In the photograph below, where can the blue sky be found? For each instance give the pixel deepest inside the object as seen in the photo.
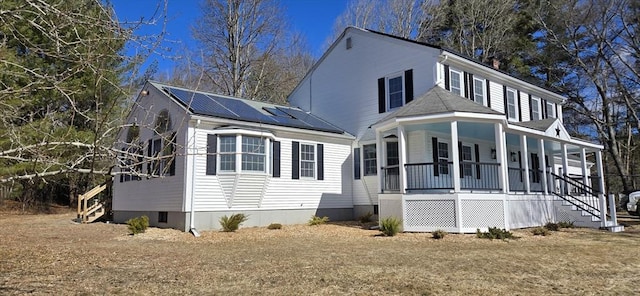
(313, 18)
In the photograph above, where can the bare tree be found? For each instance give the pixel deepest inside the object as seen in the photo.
(240, 41)
(602, 76)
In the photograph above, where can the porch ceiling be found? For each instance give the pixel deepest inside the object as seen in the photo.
(472, 130)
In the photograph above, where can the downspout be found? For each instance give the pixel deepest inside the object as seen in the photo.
(194, 149)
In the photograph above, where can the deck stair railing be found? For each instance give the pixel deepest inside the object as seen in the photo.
(90, 206)
(576, 193)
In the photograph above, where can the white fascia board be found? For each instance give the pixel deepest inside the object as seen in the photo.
(271, 127)
(543, 135)
(463, 116)
(490, 72)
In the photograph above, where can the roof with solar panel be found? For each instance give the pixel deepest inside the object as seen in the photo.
(214, 105)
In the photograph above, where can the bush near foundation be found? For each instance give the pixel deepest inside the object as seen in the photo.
(138, 224)
(231, 224)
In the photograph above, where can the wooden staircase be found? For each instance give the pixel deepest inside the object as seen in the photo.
(90, 207)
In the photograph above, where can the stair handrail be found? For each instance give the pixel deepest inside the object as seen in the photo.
(584, 206)
(85, 210)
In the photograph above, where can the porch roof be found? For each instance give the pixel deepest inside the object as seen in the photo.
(438, 101)
(540, 125)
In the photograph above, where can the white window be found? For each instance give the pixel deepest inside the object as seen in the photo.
(479, 91)
(551, 110)
(535, 108)
(512, 104)
(228, 153)
(307, 161)
(466, 157)
(443, 158)
(455, 81)
(253, 154)
(369, 160)
(396, 92)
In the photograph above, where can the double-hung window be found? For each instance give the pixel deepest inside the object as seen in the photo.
(535, 108)
(551, 110)
(253, 154)
(307, 160)
(479, 91)
(228, 153)
(396, 93)
(466, 157)
(443, 158)
(369, 160)
(512, 104)
(455, 82)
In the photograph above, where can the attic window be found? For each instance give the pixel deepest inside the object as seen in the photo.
(349, 43)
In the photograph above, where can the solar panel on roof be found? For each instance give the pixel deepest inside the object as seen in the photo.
(243, 110)
(201, 103)
(309, 119)
(276, 112)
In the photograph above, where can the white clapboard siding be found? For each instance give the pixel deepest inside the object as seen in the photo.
(259, 191)
(348, 78)
(497, 96)
(154, 194)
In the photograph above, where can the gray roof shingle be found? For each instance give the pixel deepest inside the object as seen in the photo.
(540, 125)
(438, 101)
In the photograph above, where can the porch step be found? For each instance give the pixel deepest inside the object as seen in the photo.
(614, 228)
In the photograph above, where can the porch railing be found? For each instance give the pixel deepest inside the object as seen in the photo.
(391, 177)
(474, 176)
(517, 182)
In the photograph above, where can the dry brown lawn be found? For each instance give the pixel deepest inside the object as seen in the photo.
(49, 254)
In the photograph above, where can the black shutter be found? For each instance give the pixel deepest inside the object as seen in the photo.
(519, 107)
(320, 159)
(356, 163)
(476, 147)
(472, 95)
(150, 155)
(446, 77)
(488, 94)
(276, 159)
(295, 160)
(530, 108)
(460, 160)
(172, 159)
(212, 143)
(520, 164)
(544, 109)
(408, 86)
(382, 98)
(506, 102)
(434, 144)
(466, 84)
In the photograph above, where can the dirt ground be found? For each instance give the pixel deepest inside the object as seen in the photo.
(50, 254)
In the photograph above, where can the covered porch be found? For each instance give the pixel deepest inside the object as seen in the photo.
(459, 171)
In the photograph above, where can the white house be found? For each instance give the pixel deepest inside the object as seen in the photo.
(379, 124)
(192, 157)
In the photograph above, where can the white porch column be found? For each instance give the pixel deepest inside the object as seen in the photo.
(402, 153)
(565, 167)
(501, 157)
(379, 158)
(455, 156)
(525, 161)
(543, 167)
(601, 196)
(583, 161)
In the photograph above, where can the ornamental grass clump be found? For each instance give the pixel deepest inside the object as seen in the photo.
(315, 220)
(274, 226)
(138, 224)
(495, 233)
(439, 234)
(541, 231)
(366, 218)
(390, 226)
(231, 224)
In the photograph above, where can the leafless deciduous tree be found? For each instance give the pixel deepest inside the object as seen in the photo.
(603, 73)
(244, 43)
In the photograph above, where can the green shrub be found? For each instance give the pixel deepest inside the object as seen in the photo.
(273, 226)
(566, 224)
(390, 226)
(138, 224)
(552, 226)
(366, 218)
(439, 234)
(231, 224)
(315, 220)
(495, 233)
(541, 231)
